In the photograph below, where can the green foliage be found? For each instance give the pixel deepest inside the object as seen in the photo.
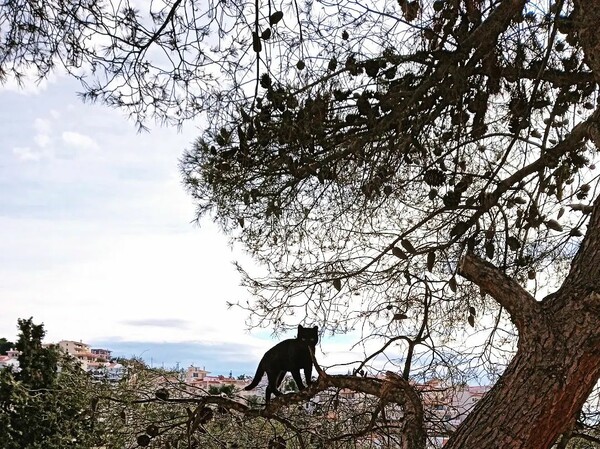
(227, 390)
(41, 406)
(289, 385)
(38, 365)
(5, 345)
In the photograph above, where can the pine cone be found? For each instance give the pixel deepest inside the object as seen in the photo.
(434, 177)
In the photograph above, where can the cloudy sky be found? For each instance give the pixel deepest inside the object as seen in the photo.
(97, 240)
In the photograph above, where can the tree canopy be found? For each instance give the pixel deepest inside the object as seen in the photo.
(5, 345)
(423, 173)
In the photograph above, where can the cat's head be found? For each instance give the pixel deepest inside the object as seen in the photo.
(308, 334)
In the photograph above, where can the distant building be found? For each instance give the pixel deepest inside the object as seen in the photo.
(199, 378)
(195, 374)
(102, 354)
(10, 360)
(74, 347)
(111, 371)
(97, 361)
(79, 351)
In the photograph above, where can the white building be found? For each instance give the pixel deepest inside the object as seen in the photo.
(199, 378)
(10, 360)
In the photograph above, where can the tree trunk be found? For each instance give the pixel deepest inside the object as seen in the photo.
(558, 357)
(539, 395)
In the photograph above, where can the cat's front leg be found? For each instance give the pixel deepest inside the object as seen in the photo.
(308, 375)
(298, 379)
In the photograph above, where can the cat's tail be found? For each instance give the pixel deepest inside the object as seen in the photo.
(257, 377)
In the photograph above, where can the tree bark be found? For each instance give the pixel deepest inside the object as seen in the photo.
(539, 395)
(558, 357)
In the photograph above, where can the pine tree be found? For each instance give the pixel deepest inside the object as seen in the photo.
(42, 407)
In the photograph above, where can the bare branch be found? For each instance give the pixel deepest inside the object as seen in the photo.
(524, 310)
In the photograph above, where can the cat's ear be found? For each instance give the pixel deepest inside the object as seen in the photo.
(300, 327)
(316, 329)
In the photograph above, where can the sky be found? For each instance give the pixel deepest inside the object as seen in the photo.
(98, 242)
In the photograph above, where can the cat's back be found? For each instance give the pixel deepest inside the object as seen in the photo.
(288, 352)
(282, 347)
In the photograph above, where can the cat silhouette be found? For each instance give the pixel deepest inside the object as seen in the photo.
(290, 355)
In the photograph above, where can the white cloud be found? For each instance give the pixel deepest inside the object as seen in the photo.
(42, 126)
(27, 154)
(79, 140)
(43, 129)
(42, 140)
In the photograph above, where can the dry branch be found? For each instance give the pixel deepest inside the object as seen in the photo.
(524, 310)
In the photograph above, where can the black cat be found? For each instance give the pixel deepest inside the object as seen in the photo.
(289, 355)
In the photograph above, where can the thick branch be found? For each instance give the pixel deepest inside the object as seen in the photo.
(413, 410)
(483, 37)
(524, 310)
(587, 17)
(391, 389)
(556, 77)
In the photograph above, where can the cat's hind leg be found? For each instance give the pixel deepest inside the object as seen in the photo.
(272, 386)
(268, 393)
(278, 381)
